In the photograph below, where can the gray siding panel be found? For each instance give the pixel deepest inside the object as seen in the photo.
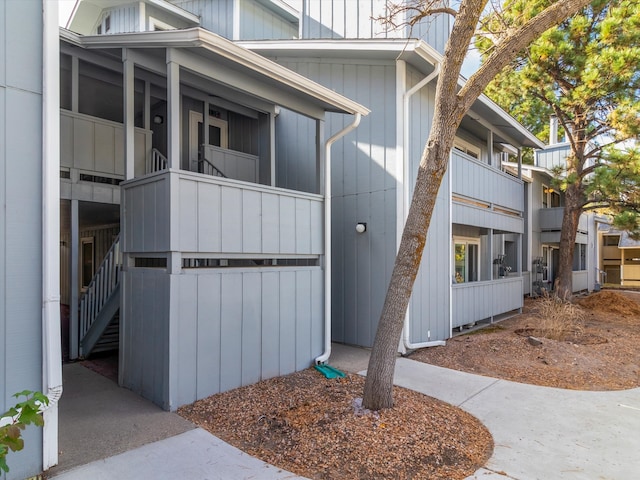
(209, 338)
(484, 183)
(479, 300)
(124, 19)
(145, 326)
(259, 23)
(147, 218)
(228, 328)
(215, 15)
(21, 217)
(351, 19)
(363, 190)
(429, 307)
(231, 331)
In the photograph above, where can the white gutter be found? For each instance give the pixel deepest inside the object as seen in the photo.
(51, 344)
(405, 160)
(327, 236)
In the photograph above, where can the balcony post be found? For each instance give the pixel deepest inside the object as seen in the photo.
(129, 115)
(75, 282)
(173, 110)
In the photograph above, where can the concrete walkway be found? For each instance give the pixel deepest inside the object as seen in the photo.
(540, 433)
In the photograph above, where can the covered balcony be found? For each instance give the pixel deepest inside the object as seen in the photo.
(224, 250)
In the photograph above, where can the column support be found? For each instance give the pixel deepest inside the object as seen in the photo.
(74, 323)
(173, 110)
(129, 116)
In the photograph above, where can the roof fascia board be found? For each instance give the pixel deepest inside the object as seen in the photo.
(406, 50)
(535, 141)
(197, 37)
(533, 168)
(74, 50)
(387, 45)
(234, 79)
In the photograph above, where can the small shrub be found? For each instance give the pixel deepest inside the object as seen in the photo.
(15, 420)
(557, 318)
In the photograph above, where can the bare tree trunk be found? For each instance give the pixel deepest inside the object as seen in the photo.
(451, 105)
(563, 287)
(385, 345)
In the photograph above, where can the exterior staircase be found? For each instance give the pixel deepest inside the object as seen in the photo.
(100, 306)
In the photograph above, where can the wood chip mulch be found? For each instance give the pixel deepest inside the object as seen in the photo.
(605, 355)
(315, 427)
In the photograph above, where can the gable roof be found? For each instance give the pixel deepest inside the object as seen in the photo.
(213, 49)
(417, 53)
(86, 13)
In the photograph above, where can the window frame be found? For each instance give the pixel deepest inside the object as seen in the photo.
(466, 241)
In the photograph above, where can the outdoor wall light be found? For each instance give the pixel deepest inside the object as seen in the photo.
(158, 119)
(361, 227)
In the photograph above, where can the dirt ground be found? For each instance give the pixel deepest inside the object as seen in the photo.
(314, 427)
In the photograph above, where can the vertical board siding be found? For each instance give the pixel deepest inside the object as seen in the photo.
(219, 216)
(21, 217)
(124, 19)
(363, 189)
(146, 205)
(336, 19)
(553, 156)
(215, 15)
(145, 330)
(429, 306)
(483, 217)
(238, 327)
(94, 145)
(480, 300)
(296, 166)
(482, 182)
(259, 23)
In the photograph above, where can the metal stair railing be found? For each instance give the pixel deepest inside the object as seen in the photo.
(105, 281)
(206, 167)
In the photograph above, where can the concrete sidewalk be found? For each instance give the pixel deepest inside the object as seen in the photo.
(540, 433)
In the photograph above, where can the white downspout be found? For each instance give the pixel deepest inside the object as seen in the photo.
(405, 148)
(51, 344)
(327, 235)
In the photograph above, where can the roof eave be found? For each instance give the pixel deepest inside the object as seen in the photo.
(198, 37)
